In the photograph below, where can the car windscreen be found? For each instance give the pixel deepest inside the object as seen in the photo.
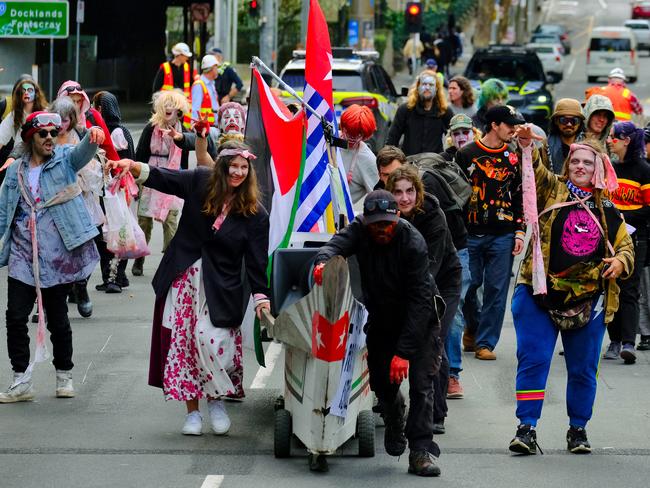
(609, 44)
(519, 69)
(638, 26)
(544, 49)
(543, 38)
(343, 80)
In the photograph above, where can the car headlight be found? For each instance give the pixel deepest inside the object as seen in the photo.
(542, 99)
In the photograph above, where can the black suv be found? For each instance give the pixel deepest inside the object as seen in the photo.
(522, 71)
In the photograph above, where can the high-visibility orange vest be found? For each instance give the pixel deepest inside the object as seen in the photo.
(620, 97)
(206, 103)
(168, 84)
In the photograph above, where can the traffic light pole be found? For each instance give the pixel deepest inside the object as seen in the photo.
(414, 60)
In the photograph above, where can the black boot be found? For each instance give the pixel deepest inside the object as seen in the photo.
(137, 268)
(84, 305)
(423, 463)
(394, 419)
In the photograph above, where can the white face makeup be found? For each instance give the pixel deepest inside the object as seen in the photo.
(427, 87)
(237, 171)
(581, 167)
(29, 92)
(231, 122)
(460, 137)
(65, 124)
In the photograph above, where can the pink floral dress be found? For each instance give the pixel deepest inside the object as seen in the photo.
(203, 360)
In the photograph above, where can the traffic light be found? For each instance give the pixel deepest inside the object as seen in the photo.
(253, 8)
(413, 16)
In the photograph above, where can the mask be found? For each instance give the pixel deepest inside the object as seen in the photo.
(427, 83)
(459, 138)
(231, 122)
(29, 92)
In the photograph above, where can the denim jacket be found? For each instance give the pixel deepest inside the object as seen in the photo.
(71, 218)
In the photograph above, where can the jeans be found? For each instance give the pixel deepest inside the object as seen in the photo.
(20, 301)
(454, 338)
(490, 264)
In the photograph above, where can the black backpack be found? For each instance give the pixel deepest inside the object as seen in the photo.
(450, 176)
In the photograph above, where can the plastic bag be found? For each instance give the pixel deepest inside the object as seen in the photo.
(122, 234)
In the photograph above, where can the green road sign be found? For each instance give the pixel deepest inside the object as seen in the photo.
(23, 19)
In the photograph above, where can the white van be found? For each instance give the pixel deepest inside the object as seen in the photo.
(609, 48)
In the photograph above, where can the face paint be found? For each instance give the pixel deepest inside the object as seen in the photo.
(231, 122)
(170, 115)
(65, 124)
(237, 171)
(427, 87)
(382, 233)
(29, 92)
(460, 137)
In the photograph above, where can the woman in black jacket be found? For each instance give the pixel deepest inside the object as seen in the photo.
(424, 212)
(196, 347)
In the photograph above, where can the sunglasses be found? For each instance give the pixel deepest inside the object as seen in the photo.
(568, 120)
(464, 132)
(72, 88)
(43, 133)
(373, 205)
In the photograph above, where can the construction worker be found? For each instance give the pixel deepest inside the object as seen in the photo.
(204, 93)
(625, 102)
(176, 74)
(227, 78)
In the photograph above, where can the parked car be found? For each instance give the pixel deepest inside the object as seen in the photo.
(551, 58)
(357, 78)
(522, 71)
(641, 29)
(609, 48)
(641, 10)
(561, 31)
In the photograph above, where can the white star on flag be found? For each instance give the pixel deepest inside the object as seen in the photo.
(328, 76)
(341, 339)
(319, 340)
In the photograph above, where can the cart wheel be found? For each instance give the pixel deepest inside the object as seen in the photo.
(282, 434)
(279, 403)
(366, 433)
(317, 462)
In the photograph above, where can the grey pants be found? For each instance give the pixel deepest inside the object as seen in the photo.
(644, 303)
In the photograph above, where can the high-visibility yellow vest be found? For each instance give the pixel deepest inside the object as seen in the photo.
(206, 103)
(168, 84)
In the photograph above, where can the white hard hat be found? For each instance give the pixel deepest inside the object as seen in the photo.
(617, 73)
(209, 61)
(181, 48)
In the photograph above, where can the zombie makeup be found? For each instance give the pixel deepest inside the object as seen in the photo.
(65, 124)
(382, 232)
(427, 84)
(460, 137)
(29, 92)
(231, 122)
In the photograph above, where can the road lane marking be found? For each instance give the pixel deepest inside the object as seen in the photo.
(212, 481)
(86, 374)
(105, 344)
(571, 67)
(270, 358)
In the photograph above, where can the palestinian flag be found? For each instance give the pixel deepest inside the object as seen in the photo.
(276, 137)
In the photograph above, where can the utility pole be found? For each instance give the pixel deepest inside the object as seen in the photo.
(268, 25)
(304, 19)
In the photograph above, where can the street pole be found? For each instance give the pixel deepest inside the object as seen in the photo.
(267, 22)
(276, 10)
(304, 19)
(80, 19)
(217, 17)
(235, 22)
(51, 80)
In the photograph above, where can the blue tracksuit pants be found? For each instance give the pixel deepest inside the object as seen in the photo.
(536, 338)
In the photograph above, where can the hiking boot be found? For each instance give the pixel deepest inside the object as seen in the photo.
(525, 440)
(439, 427)
(218, 417)
(64, 388)
(137, 269)
(454, 388)
(84, 305)
(113, 288)
(613, 351)
(193, 421)
(628, 354)
(22, 392)
(644, 344)
(469, 341)
(484, 354)
(395, 421)
(576, 440)
(423, 463)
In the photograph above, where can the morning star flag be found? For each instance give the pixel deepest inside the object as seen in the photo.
(324, 192)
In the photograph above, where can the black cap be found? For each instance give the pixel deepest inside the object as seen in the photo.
(503, 114)
(379, 206)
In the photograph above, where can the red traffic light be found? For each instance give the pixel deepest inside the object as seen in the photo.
(414, 9)
(253, 4)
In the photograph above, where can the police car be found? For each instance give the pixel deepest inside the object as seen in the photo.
(522, 71)
(357, 78)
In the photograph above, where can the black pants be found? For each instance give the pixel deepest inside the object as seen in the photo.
(105, 257)
(626, 320)
(422, 369)
(20, 302)
(451, 296)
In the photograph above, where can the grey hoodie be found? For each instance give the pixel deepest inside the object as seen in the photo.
(598, 102)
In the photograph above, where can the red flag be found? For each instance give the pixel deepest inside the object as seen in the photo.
(328, 340)
(318, 59)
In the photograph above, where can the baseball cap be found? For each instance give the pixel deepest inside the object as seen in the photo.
(617, 73)
(216, 50)
(209, 61)
(503, 114)
(181, 48)
(379, 206)
(431, 63)
(460, 121)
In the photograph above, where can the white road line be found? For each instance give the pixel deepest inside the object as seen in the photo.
(212, 481)
(105, 344)
(602, 4)
(86, 374)
(571, 67)
(270, 358)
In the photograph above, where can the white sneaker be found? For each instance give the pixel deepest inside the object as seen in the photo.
(64, 388)
(218, 417)
(193, 422)
(22, 392)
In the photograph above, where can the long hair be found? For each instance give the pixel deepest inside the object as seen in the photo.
(636, 147)
(17, 105)
(439, 100)
(597, 192)
(243, 199)
(491, 90)
(468, 98)
(166, 100)
(409, 173)
(67, 109)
